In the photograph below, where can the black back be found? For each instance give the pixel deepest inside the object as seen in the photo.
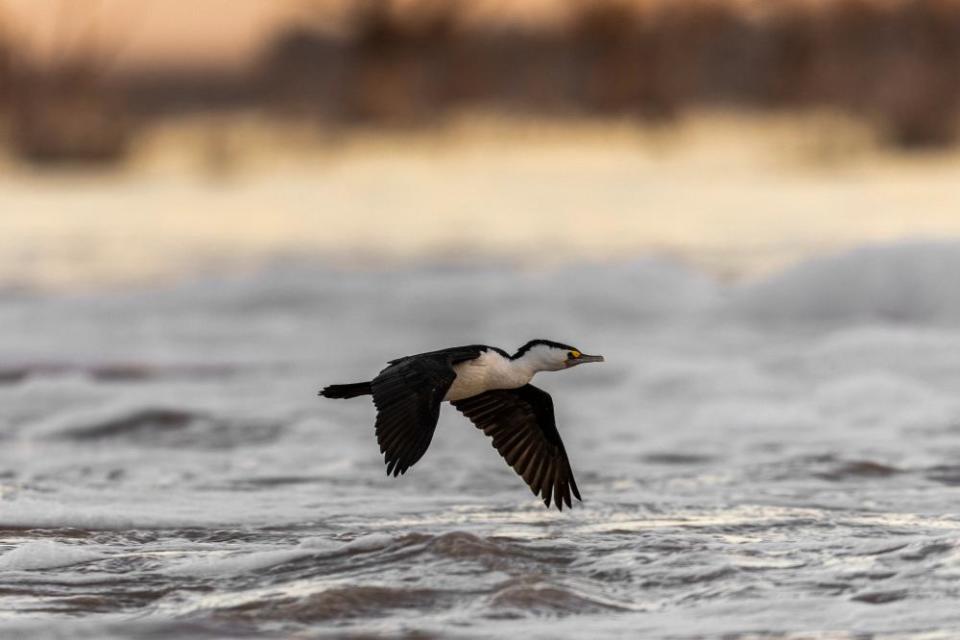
(407, 394)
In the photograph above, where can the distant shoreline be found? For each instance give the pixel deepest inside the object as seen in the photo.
(732, 195)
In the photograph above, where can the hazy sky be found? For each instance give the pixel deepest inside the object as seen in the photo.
(147, 32)
(137, 33)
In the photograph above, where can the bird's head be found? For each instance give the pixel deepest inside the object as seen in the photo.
(546, 355)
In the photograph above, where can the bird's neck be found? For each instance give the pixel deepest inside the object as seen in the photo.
(527, 365)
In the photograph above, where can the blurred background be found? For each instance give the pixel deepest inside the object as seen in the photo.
(147, 139)
(211, 208)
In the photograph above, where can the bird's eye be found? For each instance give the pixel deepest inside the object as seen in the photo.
(574, 355)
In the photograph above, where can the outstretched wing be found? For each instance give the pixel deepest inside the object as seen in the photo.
(407, 395)
(524, 431)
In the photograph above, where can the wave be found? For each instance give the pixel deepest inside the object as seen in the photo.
(908, 282)
(337, 603)
(903, 282)
(525, 596)
(114, 371)
(316, 556)
(466, 546)
(218, 566)
(528, 593)
(46, 554)
(33, 513)
(855, 469)
(157, 426)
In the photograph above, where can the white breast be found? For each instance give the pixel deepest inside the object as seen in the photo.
(489, 371)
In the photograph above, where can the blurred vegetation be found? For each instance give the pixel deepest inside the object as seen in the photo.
(67, 115)
(895, 63)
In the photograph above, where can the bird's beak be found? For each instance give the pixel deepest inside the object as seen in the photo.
(584, 358)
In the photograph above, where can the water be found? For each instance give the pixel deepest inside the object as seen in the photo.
(771, 459)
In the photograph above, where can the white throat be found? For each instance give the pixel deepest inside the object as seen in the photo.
(491, 371)
(529, 363)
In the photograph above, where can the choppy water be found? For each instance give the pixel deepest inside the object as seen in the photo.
(776, 459)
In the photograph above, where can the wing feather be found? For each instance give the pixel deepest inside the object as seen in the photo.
(407, 394)
(523, 429)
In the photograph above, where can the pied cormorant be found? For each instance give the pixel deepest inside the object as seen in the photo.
(493, 390)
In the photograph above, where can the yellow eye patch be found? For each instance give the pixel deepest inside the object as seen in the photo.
(575, 353)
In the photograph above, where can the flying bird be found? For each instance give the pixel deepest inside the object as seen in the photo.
(490, 387)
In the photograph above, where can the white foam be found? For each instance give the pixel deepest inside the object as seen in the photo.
(45, 554)
(316, 543)
(370, 542)
(112, 514)
(220, 565)
(908, 282)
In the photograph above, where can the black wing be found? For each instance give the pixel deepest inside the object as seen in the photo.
(407, 395)
(524, 431)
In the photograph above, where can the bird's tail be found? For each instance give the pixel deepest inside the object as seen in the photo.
(346, 390)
